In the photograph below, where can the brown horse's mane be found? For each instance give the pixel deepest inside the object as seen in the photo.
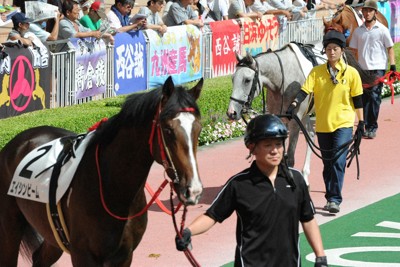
(139, 109)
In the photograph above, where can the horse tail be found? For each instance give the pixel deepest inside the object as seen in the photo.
(31, 241)
(366, 76)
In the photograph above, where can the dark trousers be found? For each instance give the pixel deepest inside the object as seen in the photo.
(333, 172)
(372, 102)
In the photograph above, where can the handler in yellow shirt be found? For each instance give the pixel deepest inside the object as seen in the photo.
(337, 90)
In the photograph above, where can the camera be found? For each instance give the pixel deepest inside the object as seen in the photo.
(3, 55)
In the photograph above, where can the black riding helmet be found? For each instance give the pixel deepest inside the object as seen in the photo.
(269, 126)
(264, 126)
(336, 37)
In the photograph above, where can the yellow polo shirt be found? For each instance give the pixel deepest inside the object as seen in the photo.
(334, 106)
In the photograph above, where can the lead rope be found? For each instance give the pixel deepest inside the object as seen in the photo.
(354, 149)
(187, 252)
(167, 159)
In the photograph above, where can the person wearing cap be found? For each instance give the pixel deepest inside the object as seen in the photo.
(20, 28)
(70, 27)
(154, 21)
(269, 199)
(374, 47)
(119, 19)
(92, 20)
(338, 91)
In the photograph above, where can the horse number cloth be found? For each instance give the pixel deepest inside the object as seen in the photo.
(31, 179)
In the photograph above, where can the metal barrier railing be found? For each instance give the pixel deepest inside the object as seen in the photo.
(207, 52)
(302, 31)
(63, 87)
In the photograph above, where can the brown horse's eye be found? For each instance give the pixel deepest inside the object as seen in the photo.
(168, 130)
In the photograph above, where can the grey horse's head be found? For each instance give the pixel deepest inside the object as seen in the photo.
(245, 86)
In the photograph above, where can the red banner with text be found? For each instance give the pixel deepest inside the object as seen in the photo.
(225, 42)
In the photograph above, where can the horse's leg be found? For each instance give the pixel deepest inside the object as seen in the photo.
(12, 224)
(133, 233)
(294, 130)
(46, 255)
(307, 162)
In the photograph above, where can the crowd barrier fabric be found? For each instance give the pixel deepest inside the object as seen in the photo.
(90, 63)
(226, 41)
(177, 53)
(384, 8)
(25, 85)
(130, 63)
(395, 19)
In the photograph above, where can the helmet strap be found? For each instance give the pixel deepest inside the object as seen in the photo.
(285, 168)
(250, 156)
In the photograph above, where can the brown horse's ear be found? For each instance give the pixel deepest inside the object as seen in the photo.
(196, 90)
(168, 87)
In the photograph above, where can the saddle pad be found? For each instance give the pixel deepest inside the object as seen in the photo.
(356, 15)
(31, 179)
(305, 64)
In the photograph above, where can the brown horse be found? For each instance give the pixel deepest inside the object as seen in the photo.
(346, 20)
(109, 179)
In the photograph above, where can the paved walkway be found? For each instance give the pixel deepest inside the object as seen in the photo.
(380, 178)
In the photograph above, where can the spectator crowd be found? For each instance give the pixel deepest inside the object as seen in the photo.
(88, 18)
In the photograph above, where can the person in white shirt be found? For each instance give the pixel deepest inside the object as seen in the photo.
(119, 19)
(217, 10)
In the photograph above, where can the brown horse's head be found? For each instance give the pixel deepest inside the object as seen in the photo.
(345, 21)
(176, 137)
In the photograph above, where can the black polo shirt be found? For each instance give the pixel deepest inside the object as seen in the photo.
(267, 230)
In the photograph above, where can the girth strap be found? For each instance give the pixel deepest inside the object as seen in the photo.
(54, 212)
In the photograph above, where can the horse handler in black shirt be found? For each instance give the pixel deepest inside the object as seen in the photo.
(269, 199)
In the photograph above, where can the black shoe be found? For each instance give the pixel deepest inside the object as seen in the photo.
(366, 133)
(334, 208)
(371, 135)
